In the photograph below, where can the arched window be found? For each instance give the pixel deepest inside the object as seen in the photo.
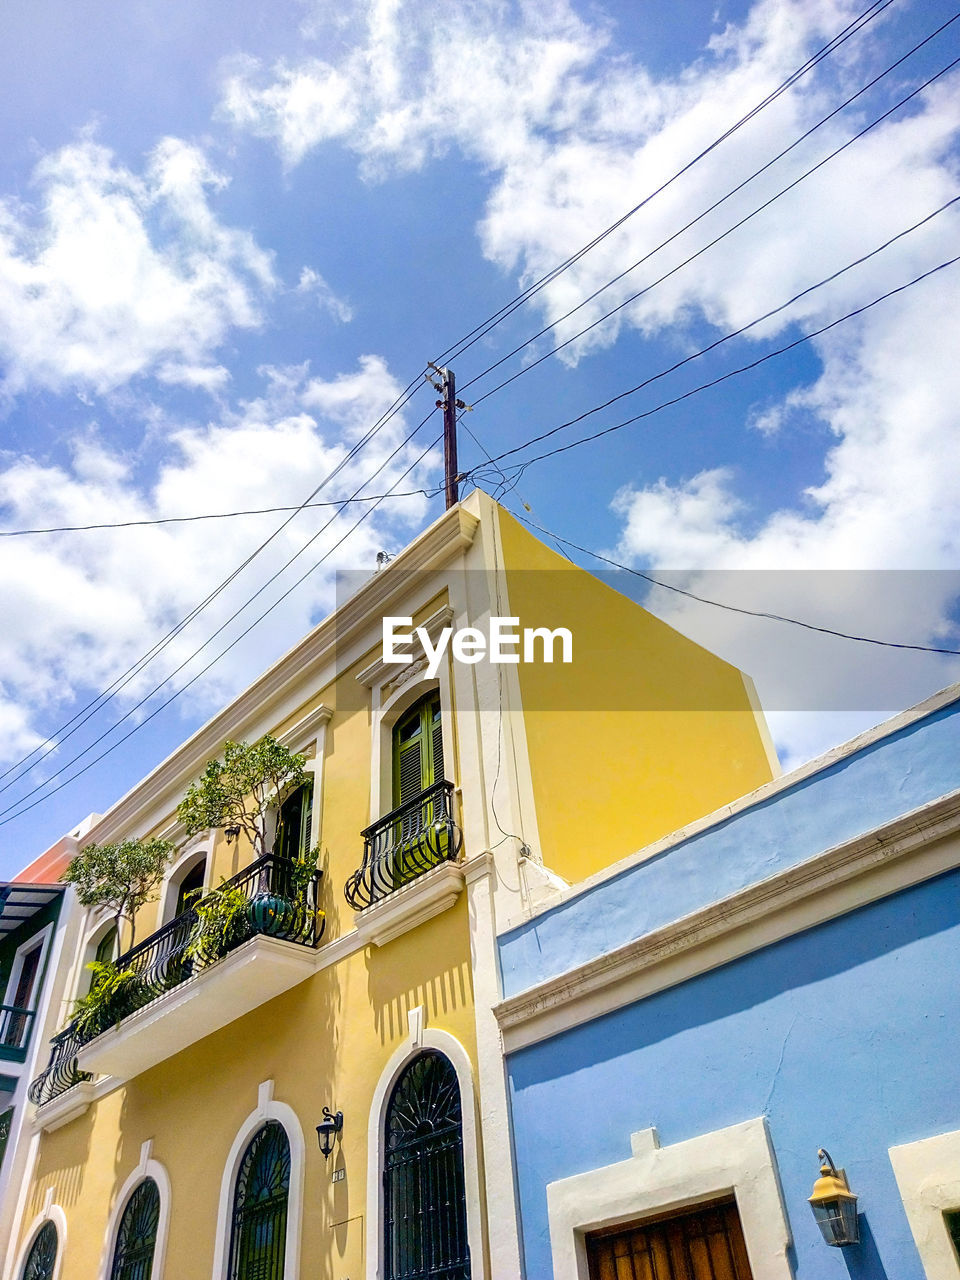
(43, 1254)
(258, 1233)
(137, 1234)
(425, 1210)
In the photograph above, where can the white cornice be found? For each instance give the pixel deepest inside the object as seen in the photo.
(764, 793)
(904, 852)
(381, 670)
(160, 790)
(305, 731)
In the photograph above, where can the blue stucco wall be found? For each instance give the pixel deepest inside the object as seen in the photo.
(899, 773)
(844, 1036)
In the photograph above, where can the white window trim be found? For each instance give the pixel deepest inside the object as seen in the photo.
(660, 1180)
(39, 939)
(147, 1168)
(267, 1109)
(928, 1175)
(188, 859)
(50, 1213)
(422, 1038)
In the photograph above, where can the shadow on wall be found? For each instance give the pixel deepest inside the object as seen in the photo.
(64, 1172)
(863, 1260)
(422, 970)
(823, 952)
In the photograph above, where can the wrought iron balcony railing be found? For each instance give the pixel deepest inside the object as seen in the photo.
(404, 844)
(14, 1026)
(61, 1072)
(269, 897)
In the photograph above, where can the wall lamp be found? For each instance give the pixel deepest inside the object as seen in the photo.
(327, 1130)
(231, 833)
(834, 1205)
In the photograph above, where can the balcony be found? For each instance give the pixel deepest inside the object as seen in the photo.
(15, 1027)
(192, 977)
(392, 888)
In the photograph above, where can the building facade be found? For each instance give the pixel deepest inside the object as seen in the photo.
(321, 1092)
(686, 1029)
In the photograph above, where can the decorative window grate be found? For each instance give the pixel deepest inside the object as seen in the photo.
(43, 1254)
(425, 1209)
(706, 1243)
(137, 1234)
(258, 1238)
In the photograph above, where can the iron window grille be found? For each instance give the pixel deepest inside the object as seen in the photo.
(425, 1210)
(137, 1234)
(42, 1257)
(258, 1233)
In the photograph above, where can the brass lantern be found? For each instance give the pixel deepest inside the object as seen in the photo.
(834, 1205)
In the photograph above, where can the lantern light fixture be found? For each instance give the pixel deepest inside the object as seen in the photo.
(231, 833)
(834, 1205)
(327, 1130)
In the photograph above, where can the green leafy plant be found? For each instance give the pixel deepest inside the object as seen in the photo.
(113, 994)
(235, 791)
(222, 923)
(120, 876)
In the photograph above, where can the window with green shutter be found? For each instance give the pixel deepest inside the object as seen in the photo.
(417, 750)
(293, 823)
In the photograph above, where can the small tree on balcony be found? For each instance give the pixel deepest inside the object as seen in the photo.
(120, 876)
(235, 791)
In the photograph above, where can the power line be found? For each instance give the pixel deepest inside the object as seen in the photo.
(106, 695)
(132, 710)
(733, 608)
(221, 515)
(856, 25)
(4, 820)
(705, 386)
(552, 324)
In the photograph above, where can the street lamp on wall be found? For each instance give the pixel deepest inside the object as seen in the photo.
(834, 1205)
(327, 1130)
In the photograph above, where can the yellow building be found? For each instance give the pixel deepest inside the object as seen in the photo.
(446, 804)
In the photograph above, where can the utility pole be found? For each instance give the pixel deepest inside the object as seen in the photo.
(450, 404)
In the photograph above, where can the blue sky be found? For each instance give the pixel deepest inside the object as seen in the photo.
(230, 237)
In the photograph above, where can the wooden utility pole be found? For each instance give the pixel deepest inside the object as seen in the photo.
(450, 469)
(447, 387)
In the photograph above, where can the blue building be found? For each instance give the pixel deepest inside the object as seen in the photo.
(685, 1030)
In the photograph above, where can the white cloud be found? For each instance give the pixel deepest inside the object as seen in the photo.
(113, 274)
(104, 597)
(312, 284)
(572, 132)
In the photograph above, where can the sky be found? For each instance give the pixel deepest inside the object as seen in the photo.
(231, 238)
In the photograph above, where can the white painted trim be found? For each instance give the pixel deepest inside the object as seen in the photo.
(905, 852)
(306, 731)
(768, 791)
(267, 1109)
(146, 1168)
(452, 1049)
(65, 1106)
(928, 1175)
(660, 1180)
(40, 939)
(406, 908)
(49, 1213)
(186, 860)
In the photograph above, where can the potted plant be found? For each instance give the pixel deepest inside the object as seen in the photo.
(222, 923)
(114, 993)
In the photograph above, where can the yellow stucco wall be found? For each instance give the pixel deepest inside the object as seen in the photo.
(643, 732)
(325, 1042)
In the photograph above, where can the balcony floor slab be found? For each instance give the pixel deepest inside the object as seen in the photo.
(260, 970)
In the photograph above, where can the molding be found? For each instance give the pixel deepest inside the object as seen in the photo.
(50, 1213)
(904, 852)
(928, 1175)
(435, 891)
(398, 673)
(64, 1108)
(305, 731)
(266, 1109)
(146, 1168)
(452, 1049)
(449, 535)
(762, 794)
(657, 1180)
